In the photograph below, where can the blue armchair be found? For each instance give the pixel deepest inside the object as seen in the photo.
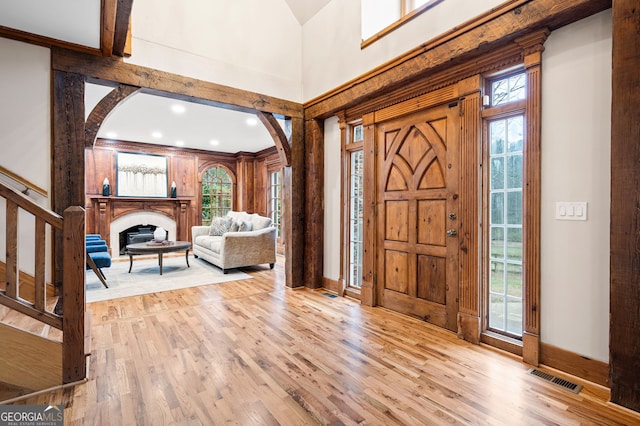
(97, 256)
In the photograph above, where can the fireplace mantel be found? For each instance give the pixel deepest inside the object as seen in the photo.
(107, 209)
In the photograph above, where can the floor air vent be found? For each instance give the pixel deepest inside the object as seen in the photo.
(573, 387)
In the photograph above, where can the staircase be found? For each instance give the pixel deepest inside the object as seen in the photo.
(41, 349)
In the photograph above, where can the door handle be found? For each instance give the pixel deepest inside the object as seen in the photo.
(452, 232)
(452, 216)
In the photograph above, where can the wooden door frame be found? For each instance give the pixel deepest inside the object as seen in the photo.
(508, 52)
(71, 134)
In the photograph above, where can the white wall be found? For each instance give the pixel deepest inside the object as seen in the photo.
(251, 45)
(331, 53)
(25, 112)
(25, 140)
(73, 21)
(576, 141)
(332, 189)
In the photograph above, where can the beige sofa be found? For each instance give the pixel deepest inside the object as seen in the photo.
(249, 240)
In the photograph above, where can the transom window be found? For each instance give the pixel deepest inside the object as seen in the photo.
(508, 89)
(217, 193)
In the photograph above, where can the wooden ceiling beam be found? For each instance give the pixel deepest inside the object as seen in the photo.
(116, 15)
(123, 17)
(171, 85)
(482, 35)
(107, 29)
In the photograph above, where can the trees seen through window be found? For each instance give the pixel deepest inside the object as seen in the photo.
(217, 193)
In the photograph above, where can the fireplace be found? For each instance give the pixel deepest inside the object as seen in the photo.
(113, 217)
(137, 219)
(136, 234)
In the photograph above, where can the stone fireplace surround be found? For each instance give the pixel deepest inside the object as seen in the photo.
(138, 218)
(113, 215)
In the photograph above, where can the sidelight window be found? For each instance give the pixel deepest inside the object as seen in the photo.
(354, 191)
(503, 195)
(505, 219)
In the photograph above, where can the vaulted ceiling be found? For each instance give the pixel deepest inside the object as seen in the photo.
(76, 24)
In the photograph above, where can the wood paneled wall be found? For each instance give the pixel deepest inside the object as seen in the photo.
(185, 167)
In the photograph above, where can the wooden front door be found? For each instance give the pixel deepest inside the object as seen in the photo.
(417, 161)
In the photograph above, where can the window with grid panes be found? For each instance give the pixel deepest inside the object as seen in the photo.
(504, 195)
(274, 200)
(355, 196)
(217, 193)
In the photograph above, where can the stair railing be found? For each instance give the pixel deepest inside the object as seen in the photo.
(71, 322)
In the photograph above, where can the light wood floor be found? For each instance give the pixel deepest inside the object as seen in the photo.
(256, 353)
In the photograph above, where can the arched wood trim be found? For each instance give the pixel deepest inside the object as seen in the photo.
(280, 139)
(69, 117)
(103, 109)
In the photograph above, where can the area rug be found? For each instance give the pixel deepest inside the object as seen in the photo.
(145, 277)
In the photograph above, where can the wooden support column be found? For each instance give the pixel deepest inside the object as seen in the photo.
(468, 318)
(369, 215)
(533, 46)
(74, 367)
(67, 151)
(246, 179)
(624, 335)
(314, 203)
(294, 201)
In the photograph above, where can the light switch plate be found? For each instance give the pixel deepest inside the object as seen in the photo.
(571, 210)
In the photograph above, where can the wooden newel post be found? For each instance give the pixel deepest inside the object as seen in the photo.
(73, 295)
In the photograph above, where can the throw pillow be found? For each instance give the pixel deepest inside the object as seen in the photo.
(260, 222)
(220, 225)
(234, 226)
(245, 226)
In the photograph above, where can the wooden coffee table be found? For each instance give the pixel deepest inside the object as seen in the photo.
(159, 249)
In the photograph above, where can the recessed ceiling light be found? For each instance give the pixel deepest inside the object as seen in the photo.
(251, 121)
(178, 108)
(179, 143)
(112, 135)
(156, 135)
(214, 142)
